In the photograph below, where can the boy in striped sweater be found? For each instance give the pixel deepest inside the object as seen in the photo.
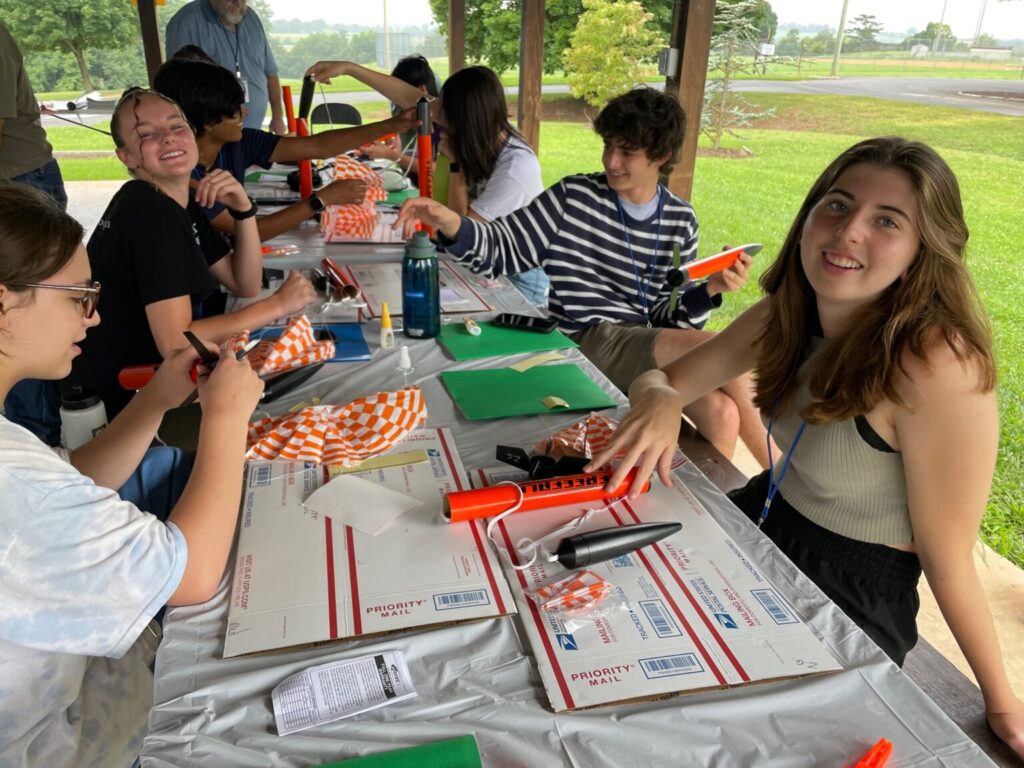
(606, 242)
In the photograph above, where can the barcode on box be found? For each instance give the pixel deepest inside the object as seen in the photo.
(449, 600)
(663, 624)
(667, 666)
(260, 475)
(777, 609)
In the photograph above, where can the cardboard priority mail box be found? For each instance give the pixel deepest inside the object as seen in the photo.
(691, 613)
(303, 578)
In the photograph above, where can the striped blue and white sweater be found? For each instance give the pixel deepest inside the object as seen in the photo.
(573, 231)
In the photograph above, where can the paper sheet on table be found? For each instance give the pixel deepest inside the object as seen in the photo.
(383, 282)
(366, 506)
(340, 689)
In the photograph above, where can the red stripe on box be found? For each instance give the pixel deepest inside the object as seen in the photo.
(357, 621)
(485, 557)
(332, 611)
(451, 461)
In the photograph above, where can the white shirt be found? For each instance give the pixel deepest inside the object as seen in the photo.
(514, 181)
(81, 574)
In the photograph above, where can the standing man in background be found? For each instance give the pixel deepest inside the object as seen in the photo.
(233, 35)
(27, 157)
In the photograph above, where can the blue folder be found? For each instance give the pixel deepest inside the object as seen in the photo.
(349, 344)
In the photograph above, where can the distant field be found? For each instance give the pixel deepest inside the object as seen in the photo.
(821, 66)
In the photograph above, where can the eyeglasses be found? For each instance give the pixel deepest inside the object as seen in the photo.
(90, 294)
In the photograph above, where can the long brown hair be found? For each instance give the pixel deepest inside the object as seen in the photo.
(476, 113)
(864, 363)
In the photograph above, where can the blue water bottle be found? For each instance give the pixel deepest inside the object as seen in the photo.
(421, 295)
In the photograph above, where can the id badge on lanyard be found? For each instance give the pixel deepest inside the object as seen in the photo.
(244, 83)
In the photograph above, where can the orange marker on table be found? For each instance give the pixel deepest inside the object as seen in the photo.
(460, 506)
(877, 756)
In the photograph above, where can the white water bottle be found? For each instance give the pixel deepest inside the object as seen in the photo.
(82, 417)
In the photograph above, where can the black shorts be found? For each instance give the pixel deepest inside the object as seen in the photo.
(873, 584)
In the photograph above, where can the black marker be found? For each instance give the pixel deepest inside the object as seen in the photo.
(583, 549)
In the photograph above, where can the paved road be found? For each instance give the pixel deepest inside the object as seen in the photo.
(1005, 97)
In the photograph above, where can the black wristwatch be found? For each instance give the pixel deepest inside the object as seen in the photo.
(316, 204)
(243, 215)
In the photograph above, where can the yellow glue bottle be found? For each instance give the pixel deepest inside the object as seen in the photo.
(387, 335)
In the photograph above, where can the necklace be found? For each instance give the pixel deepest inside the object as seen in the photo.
(641, 287)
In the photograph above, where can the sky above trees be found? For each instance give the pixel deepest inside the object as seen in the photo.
(1002, 19)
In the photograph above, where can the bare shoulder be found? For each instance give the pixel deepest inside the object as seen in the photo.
(944, 369)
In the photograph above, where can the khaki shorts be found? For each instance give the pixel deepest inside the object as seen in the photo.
(622, 351)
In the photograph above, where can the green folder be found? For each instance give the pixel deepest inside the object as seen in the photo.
(494, 393)
(451, 753)
(401, 195)
(496, 340)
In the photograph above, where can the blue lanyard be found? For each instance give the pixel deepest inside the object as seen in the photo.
(773, 484)
(641, 288)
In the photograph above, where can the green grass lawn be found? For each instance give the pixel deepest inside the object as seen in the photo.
(753, 199)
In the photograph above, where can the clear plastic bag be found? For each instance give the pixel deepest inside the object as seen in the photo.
(577, 598)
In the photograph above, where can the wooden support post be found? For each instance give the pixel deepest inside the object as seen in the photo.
(531, 66)
(150, 37)
(456, 35)
(691, 35)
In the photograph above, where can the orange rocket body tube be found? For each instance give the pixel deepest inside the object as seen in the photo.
(460, 506)
(289, 107)
(696, 270)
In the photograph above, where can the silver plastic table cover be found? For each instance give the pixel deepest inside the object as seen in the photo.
(479, 678)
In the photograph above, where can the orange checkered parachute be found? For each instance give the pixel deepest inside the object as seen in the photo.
(296, 347)
(339, 434)
(345, 222)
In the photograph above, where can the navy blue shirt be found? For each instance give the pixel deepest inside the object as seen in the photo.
(146, 248)
(255, 148)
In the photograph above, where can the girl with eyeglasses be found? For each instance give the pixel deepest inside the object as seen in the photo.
(82, 569)
(158, 258)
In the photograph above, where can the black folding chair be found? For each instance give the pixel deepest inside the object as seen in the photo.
(334, 113)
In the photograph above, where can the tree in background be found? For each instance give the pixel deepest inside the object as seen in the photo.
(735, 39)
(74, 28)
(822, 43)
(758, 14)
(789, 44)
(863, 30)
(608, 50)
(493, 28)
